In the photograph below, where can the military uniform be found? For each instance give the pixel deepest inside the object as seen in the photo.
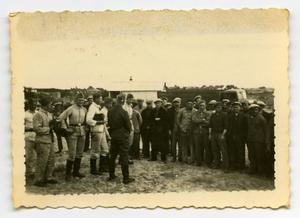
(145, 131)
(30, 153)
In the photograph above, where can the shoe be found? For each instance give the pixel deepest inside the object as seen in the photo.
(111, 178)
(130, 162)
(58, 152)
(128, 180)
(40, 184)
(94, 170)
(51, 181)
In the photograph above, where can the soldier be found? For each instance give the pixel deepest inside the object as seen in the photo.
(139, 106)
(106, 107)
(88, 132)
(217, 134)
(120, 128)
(76, 115)
(200, 121)
(137, 123)
(127, 106)
(99, 137)
(42, 126)
(159, 128)
(58, 108)
(145, 128)
(173, 128)
(30, 153)
(184, 120)
(237, 133)
(225, 105)
(211, 106)
(257, 140)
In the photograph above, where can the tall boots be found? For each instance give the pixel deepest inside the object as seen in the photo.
(69, 166)
(125, 172)
(76, 168)
(103, 164)
(93, 167)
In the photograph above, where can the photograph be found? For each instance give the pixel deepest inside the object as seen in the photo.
(140, 108)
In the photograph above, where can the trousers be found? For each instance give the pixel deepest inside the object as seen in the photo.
(75, 146)
(45, 161)
(99, 145)
(219, 147)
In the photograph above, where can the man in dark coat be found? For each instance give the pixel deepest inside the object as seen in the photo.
(159, 129)
(237, 133)
(145, 129)
(120, 128)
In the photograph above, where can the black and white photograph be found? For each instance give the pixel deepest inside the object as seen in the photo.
(166, 103)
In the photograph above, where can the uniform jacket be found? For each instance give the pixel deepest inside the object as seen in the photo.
(237, 125)
(119, 123)
(172, 117)
(146, 116)
(41, 120)
(200, 120)
(258, 130)
(218, 122)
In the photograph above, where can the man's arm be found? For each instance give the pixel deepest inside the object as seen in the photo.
(90, 115)
(65, 114)
(127, 124)
(38, 125)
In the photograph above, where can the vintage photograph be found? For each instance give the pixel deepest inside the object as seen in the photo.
(149, 107)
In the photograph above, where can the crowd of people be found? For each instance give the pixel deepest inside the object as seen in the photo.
(121, 130)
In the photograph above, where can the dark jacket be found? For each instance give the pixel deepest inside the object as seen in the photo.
(218, 122)
(119, 123)
(159, 121)
(237, 125)
(258, 130)
(146, 117)
(171, 117)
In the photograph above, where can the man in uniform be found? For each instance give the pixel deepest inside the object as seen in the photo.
(237, 132)
(145, 128)
(225, 105)
(200, 121)
(99, 141)
(173, 128)
(30, 153)
(197, 100)
(76, 115)
(217, 134)
(159, 129)
(137, 123)
(127, 106)
(88, 132)
(42, 126)
(120, 128)
(58, 108)
(257, 140)
(184, 120)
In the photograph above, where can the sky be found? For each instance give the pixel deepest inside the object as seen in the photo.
(245, 48)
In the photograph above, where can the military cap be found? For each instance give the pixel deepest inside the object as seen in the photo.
(244, 101)
(253, 106)
(140, 100)
(168, 104)
(149, 102)
(236, 103)
(79, 95)
(261, 103)
(212, 102)
(157, 100)
(196, 97)
(129, 95)
(225, 100)
(164, 99)
(177, 100)
(57, 102)
(45, 100)
(121, 96)
(218, 103)
(89, 97)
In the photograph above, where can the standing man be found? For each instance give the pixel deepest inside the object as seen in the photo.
(139, 106)
(88, 132)
(76, 115)
(106, 107)
(30, 153)
(184, 121)
(237, 133)
(173, 128)
(197, 101)
(120, 128)
(217, 134)
(145, 129)
(137, 123)
(58, 108)
(200, 121)
(258, 140)
(127, 106)
(159, 130)
(43, 127)
(99, 141)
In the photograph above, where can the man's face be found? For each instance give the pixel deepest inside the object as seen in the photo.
(236, 108)
(32, 107)
(80, 101)
(219, 108)
(202, 106)
(158, 104)
(255, 111)
(97, 100)
(176, 104)
(149, 105)
(50, 107)
(140, 104)
(129, 100)
(198, 100)
(108, 105)
(90, 101)
(189, 105)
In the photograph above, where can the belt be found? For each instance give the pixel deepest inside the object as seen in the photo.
(76, 125)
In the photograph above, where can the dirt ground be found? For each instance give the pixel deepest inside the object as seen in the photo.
(152, 177)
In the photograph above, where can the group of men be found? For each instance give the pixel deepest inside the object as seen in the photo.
(214, 134)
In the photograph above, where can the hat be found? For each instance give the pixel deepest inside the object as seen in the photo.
(236, 103)
(164, 98)
(57, 102)
(218, 103)
(261, 103)
(140, 100)
(121, 96)
(129, 95)
(45, 100)
(107, 100)
(212, 102)
(168, 104)
(244, 101)
(253, 106)
(149, 102)
(79, 95)
(196, 97)
(225, 100)
(157, 100)
(177, 100)
(89, 97)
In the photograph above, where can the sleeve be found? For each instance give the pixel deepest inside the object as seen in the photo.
(140, 119)
(38, 125)
(225, 121)
(65, 114)
(127, 124)
(206, 121)
(90, 115)
(266, 130)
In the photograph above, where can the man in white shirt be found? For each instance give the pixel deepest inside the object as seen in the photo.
(96, 120)
(30, 153)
